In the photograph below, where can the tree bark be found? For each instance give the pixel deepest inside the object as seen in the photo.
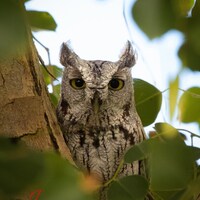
(26, 113)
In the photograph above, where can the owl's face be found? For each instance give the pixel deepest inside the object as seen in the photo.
(91, 87)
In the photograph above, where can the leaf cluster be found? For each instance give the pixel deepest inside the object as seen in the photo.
(172, 170)
(23, 172)
(157, 17)
(171, 167)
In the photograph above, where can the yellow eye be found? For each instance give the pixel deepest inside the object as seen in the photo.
(116, 84)
(77, 83)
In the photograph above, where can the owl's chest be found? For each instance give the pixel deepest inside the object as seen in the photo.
(100, 150)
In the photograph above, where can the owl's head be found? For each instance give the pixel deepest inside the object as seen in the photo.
(96, 86)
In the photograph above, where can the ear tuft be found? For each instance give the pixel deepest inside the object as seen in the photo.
(67, 56)
(127, 59)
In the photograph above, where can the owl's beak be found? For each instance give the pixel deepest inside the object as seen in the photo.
(96, 102)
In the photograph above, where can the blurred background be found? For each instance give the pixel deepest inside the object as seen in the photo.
(99, 29)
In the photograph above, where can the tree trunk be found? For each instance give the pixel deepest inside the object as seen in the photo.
(26, 113)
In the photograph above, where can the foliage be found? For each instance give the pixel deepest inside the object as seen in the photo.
(22, 168)
(165, 157)
(147, 98)
(41, 20)
(160, 15)
(182, 15)
(12, 162)
(49, 80)
(164, 15)
(133, 187)
(173, 95)
(12, 27)
(189, 108)
(172, 169)
(57, 178)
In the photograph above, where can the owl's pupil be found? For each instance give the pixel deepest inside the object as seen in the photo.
(114, 83)
(79, 82)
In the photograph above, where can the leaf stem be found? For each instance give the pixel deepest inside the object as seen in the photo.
(46, 48)
(191, 93)
(116, 174)
(191, 133)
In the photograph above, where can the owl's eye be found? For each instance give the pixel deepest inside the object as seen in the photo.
(77, 83)
(116, 84)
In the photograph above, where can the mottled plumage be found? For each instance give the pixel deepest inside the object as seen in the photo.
(97, 112)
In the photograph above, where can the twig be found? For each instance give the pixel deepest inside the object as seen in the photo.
(116, 174)
(47, 49)
(45, 67)
(41, 60)
(191, 93)
(193, 134)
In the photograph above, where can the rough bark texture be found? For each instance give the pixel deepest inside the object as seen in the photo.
(26, 112)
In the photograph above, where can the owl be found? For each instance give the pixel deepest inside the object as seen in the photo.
(97, 113)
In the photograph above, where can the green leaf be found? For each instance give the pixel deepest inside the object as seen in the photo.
(171, 195)
(193, 190)
(41, 20)
(137, 152)
(148, 101)
(196, 9)
(60, 181)
(29, 172)
(168, 158)
(194, 187)
(54, 70)
(55, 96)
(165, 129)
(128, 188)
(19, 167)
(183, 7)
(12, 27)
(56, 90)
(156, 17)
(189, 105)
(54, 99)
(190, 50)
(189, 55)
(173, 94)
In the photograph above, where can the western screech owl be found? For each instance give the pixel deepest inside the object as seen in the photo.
(97, 113)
